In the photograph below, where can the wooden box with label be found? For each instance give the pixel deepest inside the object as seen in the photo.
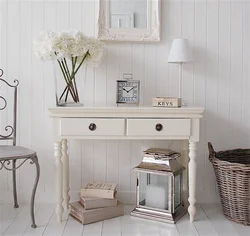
(166, 102)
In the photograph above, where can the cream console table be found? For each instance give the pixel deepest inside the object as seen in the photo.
(122, 123)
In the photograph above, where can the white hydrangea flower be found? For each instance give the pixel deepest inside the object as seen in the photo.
(71, 49)
(64, 44)
(43, 45)
(80, 46)
(95, 48)
(68, 44)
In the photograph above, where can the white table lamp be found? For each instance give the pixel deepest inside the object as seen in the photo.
(179, 54)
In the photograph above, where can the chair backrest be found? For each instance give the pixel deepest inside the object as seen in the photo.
(10, 130)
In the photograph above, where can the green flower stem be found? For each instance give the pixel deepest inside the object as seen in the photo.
(69, 84)
(75, 71)
(66, 80)
(87, 53)
(74, 84)
(73, 75)
(70, 77)
(62, 70)
(66, 89)
(66, 97)
(72, 70)
(64, 75)
(67, 68)
(72, 64)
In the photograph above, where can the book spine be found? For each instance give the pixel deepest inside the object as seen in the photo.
(76, 216)
(76, 213)
(102, 213)
(93, 203)
(101, 193)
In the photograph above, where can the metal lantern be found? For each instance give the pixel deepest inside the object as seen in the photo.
(159, 190)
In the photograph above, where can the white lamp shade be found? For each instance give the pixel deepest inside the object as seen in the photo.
(179, 52)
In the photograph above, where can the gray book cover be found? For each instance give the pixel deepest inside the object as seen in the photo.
(94, 215)
(94, 202)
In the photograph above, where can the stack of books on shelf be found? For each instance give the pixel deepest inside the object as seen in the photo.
(97, 202)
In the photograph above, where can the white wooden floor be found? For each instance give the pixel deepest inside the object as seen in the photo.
(210, 222)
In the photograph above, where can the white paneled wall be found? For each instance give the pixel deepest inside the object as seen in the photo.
(218, 79)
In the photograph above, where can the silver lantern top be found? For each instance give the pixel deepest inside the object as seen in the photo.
(160, 161)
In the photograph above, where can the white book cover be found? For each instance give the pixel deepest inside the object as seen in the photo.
(99, 189)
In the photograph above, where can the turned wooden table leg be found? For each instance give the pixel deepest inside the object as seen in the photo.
(184, 161)
(59, 180)
(65, 160)
(192, 180)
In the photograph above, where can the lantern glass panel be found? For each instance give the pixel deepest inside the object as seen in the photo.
(154, 191)
(177, 190)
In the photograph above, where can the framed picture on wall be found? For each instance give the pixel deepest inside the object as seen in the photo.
(122, 20)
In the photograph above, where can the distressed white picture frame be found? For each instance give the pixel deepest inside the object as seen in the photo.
(150, 34)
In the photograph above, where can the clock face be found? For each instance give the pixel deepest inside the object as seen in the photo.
(128, 91)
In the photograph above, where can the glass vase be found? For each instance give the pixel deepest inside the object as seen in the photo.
(68, 86)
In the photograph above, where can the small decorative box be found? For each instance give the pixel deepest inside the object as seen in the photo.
(166, 102)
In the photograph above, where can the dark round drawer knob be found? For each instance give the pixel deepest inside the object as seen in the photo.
(159, 127)
(92, 126)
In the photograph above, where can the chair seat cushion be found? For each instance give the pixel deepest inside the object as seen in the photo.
(15, 152)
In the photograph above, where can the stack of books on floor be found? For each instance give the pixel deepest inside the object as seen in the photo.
(97, 202)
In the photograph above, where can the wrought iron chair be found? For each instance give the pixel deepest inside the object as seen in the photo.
(12, 153)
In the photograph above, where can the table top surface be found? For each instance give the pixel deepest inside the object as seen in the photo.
(138, 111)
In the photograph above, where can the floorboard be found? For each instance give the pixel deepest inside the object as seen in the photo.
(241, 230)
(54, 228)
(73, 228)
(203, 225)
(209, 222)
(112, 227)
(21, 222)
(7, 215)
(185, 227)
(220, 223)
(42, 218)
(168, 229)
(94, 229)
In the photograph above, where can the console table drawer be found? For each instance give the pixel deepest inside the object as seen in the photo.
(158, 127)
(89, 127)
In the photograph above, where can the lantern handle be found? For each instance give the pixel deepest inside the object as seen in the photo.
(127, 76)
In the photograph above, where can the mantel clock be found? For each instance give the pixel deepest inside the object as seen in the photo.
(127, 92)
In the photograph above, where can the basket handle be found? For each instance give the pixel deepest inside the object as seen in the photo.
(211, 151)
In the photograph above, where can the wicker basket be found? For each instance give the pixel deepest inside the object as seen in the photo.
(232, 170)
